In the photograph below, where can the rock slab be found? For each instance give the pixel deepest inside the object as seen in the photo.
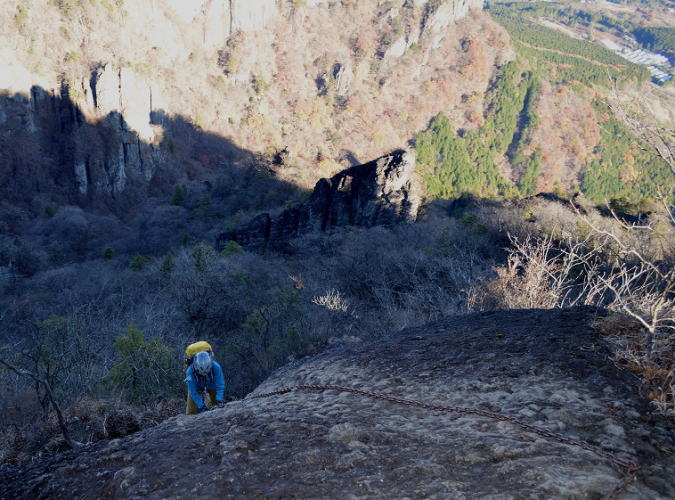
(547, 368)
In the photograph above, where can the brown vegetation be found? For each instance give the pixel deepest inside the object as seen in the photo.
(262, 89)
(565, 136)
(626, 268)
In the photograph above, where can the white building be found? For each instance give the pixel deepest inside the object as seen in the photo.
(641, 56)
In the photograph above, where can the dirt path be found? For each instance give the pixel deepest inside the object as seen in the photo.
(592, 61)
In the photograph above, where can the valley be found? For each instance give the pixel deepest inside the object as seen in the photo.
(289, 178)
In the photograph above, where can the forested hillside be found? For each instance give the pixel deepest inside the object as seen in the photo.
(546, 125)
(564, 58)
(143, 143)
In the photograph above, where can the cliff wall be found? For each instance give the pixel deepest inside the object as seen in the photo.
(261, 74)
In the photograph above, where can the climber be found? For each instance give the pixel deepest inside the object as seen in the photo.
(203, 373)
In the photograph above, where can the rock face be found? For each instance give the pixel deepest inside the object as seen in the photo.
(546, 368)
(383, 191)
(438, 16)
(96, 148)
(217, 23)
(221, 18)
(450, 12)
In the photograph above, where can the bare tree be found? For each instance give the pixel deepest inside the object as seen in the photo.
(609, 268)
(44, 383)
(640, 286)
(657, 138)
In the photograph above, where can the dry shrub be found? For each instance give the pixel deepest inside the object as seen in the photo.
(536, 276)
(26, 435)
(519, 284)
(655, 367)
(627, 269)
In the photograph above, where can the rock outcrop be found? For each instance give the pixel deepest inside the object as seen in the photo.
(252, 15)
(221, 18)
(437, 17)
(546, 368)
(95, 149)
(384, 191)
(84, 107)
(449, 12)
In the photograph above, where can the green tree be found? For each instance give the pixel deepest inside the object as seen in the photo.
(448, 170)
(203, 256)
(231, 248)
(528, 181)
(139, 262)
(144, 370)
(624, 167)
(179, 196)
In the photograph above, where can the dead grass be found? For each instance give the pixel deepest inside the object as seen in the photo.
(27, 433)
(655, 367)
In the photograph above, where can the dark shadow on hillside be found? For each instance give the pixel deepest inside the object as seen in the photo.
(170, 183)
(51, 150)
(384, 191)
(59, 161)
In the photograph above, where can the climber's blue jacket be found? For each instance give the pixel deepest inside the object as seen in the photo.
(196, 384)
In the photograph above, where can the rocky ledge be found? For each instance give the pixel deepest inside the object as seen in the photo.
(546, 368)
(384, 191)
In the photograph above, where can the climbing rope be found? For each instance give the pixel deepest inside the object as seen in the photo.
(628, 468)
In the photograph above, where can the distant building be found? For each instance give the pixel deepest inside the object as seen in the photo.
(655, 62)
(641, 56)
(659, 75)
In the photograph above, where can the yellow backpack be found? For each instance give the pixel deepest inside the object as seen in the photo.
(193, 349)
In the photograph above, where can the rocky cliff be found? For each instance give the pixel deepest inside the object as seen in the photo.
(545, 368)
(383, 191)
(261, 74)
(50, 147)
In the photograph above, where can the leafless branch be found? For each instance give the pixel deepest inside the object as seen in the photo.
(57, 409)
(652, 135)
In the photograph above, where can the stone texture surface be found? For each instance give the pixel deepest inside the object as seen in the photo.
(217, 23)
(547, 368)
(97, 148)
(383, 191)
(252, 15)
(450, 12)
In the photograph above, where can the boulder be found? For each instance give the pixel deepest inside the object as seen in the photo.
(382, 192)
